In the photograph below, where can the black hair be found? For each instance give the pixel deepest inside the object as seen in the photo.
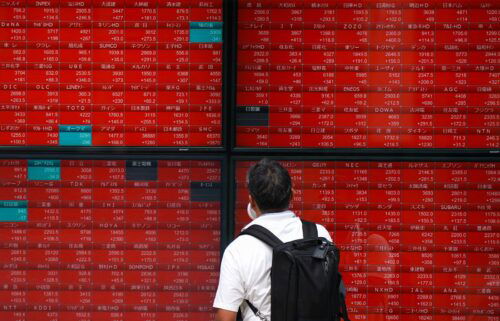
(270, 186)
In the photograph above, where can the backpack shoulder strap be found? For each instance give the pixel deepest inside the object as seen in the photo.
(262, 234)
(266, 236)
(309, 229)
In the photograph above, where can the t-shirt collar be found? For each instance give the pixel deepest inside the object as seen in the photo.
(269, 217)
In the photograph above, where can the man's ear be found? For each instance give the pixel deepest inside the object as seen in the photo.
(254, 204)
(252, 201)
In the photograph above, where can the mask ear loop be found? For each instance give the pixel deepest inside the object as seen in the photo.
(251, 212)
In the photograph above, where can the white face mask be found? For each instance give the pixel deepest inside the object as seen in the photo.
(251, 213)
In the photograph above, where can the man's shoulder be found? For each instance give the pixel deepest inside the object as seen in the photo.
(247, 254)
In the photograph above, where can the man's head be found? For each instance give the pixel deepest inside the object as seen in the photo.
(270, 186)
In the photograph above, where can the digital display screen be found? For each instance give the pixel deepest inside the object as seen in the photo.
(368, 74)
(418, 240)
(134, 239)
(111, 73)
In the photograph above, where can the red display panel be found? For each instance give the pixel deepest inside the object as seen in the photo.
(111, 73)
(109, 239)
(418, 240)
(368, 74)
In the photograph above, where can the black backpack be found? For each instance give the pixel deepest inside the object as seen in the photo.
(305, 281)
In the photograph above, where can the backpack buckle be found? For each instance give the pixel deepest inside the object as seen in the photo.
(320, 251)
(261, 316)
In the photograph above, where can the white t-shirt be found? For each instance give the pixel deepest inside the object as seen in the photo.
(246, 265)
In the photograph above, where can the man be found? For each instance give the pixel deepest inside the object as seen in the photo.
(246, 264)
